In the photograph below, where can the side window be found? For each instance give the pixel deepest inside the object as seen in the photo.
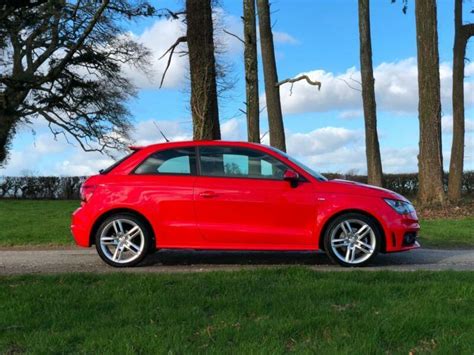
(239, 162)
(179, 161)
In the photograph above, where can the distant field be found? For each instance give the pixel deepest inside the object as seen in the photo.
(259, 311)
(47, 223)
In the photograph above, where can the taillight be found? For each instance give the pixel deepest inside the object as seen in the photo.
(86, 192)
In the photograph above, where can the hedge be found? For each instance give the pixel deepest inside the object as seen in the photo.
(41, 187)
(407, 184)
(67, 188)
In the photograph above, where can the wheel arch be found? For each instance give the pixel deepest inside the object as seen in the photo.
(346, 211)
(109, 213)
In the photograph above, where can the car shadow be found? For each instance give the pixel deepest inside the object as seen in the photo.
(191, 257)
(420, 257)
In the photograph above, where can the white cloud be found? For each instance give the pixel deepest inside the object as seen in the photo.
(284, 38)
(234, 130)
(447, 124)
(158, 38)
(351, 114)
(396, 87)
(321, 140)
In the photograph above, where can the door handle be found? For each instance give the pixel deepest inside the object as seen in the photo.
(208, 194)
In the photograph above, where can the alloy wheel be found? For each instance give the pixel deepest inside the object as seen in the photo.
(353, 241)
(122, 241)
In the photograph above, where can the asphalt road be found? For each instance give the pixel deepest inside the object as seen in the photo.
(42, 261)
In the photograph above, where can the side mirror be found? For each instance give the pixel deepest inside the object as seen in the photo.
(292, 177)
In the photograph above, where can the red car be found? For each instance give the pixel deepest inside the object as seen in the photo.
(235, 196)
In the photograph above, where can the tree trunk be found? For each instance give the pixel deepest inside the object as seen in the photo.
(251, 72)
(457, 148)
(272, 91)
(7, 131)
(430, 159)
(372, 149)
(202, 66)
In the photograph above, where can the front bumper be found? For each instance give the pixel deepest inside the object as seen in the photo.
(402, 233)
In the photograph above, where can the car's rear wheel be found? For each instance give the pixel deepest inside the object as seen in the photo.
(352, 239)
(122, 240)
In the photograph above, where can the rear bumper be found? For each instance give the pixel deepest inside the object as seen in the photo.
(79, 228)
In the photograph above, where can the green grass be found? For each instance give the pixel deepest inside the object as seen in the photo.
(36, 222)
(47, 223)
(260, 311)
(454, 233)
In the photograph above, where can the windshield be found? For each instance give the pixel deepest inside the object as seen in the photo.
(301, 165)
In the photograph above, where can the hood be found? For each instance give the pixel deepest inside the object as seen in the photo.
(357, 188)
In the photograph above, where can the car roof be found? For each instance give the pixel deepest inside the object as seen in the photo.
(196, 143)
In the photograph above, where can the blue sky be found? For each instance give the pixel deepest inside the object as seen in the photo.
(324, 128)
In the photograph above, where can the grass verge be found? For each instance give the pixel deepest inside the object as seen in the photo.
(448, 233)
(26, 222)
(261, 311)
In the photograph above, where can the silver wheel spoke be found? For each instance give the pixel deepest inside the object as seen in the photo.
(337, 243)
(117, 254)
(350, 254)
(135, 247)
(346, 227)
(118, 227)
(132, 233)
(364, 247)
(363, 231)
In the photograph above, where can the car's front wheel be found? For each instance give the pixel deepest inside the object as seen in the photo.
(352, 239)
(122, 240)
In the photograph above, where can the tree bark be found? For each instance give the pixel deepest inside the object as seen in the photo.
(430, 159)
(7, 131)
(202, 64)
(457, 149)
(251, 72)
(372, 149)
(272, 90)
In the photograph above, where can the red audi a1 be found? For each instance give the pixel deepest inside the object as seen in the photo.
(217, 195)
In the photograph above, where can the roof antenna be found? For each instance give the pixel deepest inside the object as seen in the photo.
(158, 128)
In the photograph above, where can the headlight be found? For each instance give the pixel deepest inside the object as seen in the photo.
(401, 207)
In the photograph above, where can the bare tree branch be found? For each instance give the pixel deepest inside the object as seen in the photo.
(301, 77)
(349, 85)
(172, 14)
(234, 35)
(171, 50)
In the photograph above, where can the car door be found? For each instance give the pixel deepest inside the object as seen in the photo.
(164, 185)
(242, 201)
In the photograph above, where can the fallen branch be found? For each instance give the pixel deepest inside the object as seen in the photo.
(171, 50)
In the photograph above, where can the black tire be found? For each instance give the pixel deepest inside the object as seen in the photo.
(331, 233)
(145, 242)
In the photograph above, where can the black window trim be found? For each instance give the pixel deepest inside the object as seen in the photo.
(170, 174)
(198, 164)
